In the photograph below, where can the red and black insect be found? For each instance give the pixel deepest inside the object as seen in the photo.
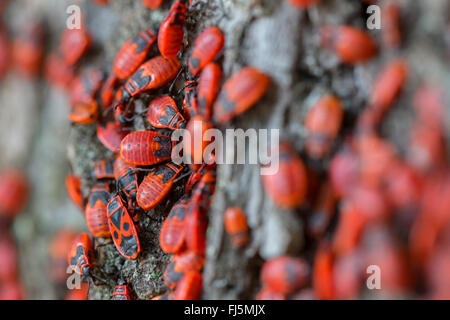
(190, 102)
(95, 212)
(122, 291)
(84, 87)
(152, 74)
(208, 88)
(74, 44)
(156, 185)
(171, 30)
(126, 178)
(143, 148)
(197, 212)
(180, 265)
(81, 255)
(73, 186)
(133, 53)
(163, 113)
(236, 226)
(207, 47)
(111, 134)
(173, 232)
(122, 228)
(239, 93)
(104, 169)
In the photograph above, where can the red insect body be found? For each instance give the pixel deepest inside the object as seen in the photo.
(391, 34)
(323, 273)
(170, 276)
(123, 230)
(190, 102)
(84, 87)
(426, 148)
(73, 186)
(95, 212)
(111, 134)
(81, 254)
(207, 47)
(84, 112)
(171, 33)
(197, 213)
(429, 105)
(351, 44)
(189, 287)
(343, 172)
(8, 258)
(287, 187)
(323, 122)
(152, 4)
(239, 93)
(59, 245)
(285, 274)
(121, 291)
(236, 226)
(133, 53)
(57, 72)
(208, 88)
(144, 148)
(14, 190)
(194, 145)
(107, 92)
(386, 88)
(180, 265)
(74, 44)
(126, 178)
(163, 113)
(173, 232)
(104, 169)
(152, 74)
(156, 185)
(28, 49)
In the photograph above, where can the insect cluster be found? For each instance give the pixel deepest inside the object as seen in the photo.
(370, 203)
(367, 190)
(141, 174)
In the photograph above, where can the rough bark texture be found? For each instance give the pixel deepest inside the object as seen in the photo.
(267, 34)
